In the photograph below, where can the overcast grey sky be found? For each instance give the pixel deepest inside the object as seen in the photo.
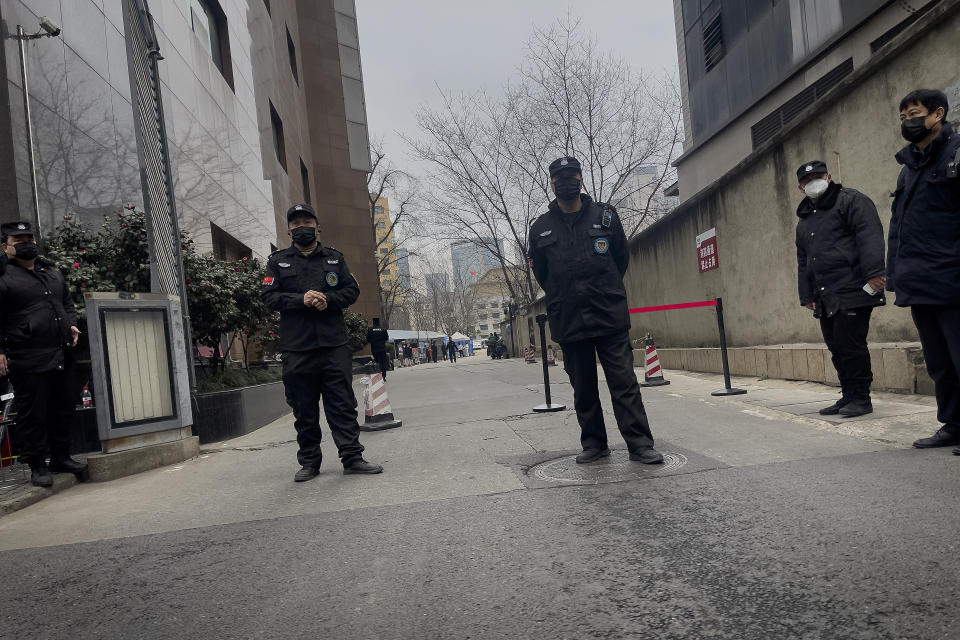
(409, 47)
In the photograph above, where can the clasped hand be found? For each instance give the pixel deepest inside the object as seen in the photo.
(315, 299)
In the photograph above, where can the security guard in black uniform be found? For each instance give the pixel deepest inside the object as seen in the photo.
(840, 251)
(310, 285)
(579, 254)
(38, 331)
(377, 336)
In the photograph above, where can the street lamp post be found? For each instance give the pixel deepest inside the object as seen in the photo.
(48, 29)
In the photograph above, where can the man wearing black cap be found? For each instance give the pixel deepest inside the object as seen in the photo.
(310, 285)
(840, 277)
(578, 251)
(38, 330)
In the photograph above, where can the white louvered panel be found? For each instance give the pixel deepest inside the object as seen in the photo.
(139, 365)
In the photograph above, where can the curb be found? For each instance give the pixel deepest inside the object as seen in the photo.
(23, 497)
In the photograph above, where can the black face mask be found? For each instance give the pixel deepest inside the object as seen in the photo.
(304, 236)
(26, 250)
(914, 130)
(567, 188)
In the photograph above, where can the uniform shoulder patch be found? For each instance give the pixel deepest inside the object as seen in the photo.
(333, 279)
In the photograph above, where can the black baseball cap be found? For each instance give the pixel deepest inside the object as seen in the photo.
(16, 228)
(565, 162)
(301, 210)
(814, 166)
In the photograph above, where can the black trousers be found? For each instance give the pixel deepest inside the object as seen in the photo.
(44, 407)
(939, 329)
(323, 373)
(453, 356)
(846, 336)
(381, 358)
(616, 359)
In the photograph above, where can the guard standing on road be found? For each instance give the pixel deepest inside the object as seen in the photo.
(579, 255)
(377, 336)
(924, 248)
(38, 331)
(452, 350)
(840, 277)
(310, 285)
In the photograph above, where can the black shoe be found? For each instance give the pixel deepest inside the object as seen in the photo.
(941, 438)
(40, 476)
(647, 455)
(66, 464)
(956, 451)
(306, 473)
(856, 408)
(592, 455)
(359, 465)
(834, 409)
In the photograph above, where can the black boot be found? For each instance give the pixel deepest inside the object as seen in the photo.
(592, 455)
(859, 404)
(359, 465)
(834, 409)
(40, 475)
(306, 473)
(66, 464)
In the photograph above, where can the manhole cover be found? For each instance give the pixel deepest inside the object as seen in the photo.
(617, 467)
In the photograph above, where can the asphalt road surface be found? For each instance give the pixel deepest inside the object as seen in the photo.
(764, 523)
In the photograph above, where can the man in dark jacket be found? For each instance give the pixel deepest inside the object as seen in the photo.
(38, 331)
(578, 250)
(310, 285)
(840, 276)
(452, 350)
(923, 264)
(377, 336)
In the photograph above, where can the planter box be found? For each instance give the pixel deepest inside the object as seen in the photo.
(222, 415)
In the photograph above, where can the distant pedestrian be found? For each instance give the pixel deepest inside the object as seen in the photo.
(310, 285)
(579, 254)
(840, 276)
(436, 351)
(377, 337)
(407, 355)
(452, 350)
(430, 354)
(924, 248)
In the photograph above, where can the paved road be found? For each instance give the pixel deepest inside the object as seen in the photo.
(765, 523)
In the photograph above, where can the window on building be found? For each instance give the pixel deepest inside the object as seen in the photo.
(381, 226)
(384, 251)
(278, 143)
(483, 327)
(378, 209)
(292, 51)
(305, 179)
(209, 23)
(713, 49)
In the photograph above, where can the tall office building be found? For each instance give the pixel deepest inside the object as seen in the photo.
(472, 259)
(251, 127)
(437, 283)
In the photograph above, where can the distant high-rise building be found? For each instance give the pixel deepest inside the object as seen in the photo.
(403, 267)
(472, 259)
(437, 282)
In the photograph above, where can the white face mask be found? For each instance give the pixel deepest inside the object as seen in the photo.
(816, 188)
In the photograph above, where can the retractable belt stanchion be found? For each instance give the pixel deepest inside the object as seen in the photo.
(718, 304)
(548, 406)
(727, 389)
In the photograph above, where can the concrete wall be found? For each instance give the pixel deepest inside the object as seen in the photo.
(753, 206)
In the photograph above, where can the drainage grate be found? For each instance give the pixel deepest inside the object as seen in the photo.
(616, 468)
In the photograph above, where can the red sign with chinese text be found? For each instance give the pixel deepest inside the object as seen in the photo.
(707, 258)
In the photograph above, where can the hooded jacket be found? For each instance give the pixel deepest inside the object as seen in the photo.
(839, 247)
(923, 257)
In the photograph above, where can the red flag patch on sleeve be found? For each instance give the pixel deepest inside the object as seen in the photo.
(268, 280)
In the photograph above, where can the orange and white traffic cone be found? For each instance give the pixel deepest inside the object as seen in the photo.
(377, 411)
(653, 374)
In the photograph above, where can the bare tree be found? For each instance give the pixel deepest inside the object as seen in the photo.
(488, 156)
(390, 243)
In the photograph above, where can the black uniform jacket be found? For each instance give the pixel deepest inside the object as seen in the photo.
(923, 259)
(290, 274)
(377, 337)
(839, 247)
(579, 260)
(36, 313)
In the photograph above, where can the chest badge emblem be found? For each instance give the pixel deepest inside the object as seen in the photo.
(283, 264)
(601, 246)
(546, 233)
(333, 279)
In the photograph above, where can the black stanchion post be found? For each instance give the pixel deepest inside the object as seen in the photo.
(727, 390)
(549, 406)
